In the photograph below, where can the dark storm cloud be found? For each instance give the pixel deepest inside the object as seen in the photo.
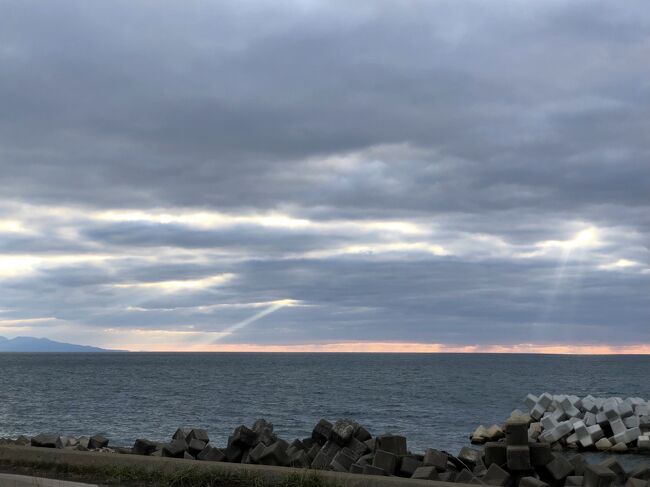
(495, 131)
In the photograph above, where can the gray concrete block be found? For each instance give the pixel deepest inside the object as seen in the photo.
(632, 482)
(322, 431)
(540, 454)
(476, 481)
(557, 469)
(342, 461)
(435, 458)
(495, 453)
(343, 430)
(640, 472)
(275, 454)
(408, 465)
(495, 475)
(613, 464)
(518, 458)
(243, 437)
(448, 476)
(211, 454)
(175, 449)
(425, 473)
(362, 434)
(195, 446)
(598, 476)
(181, 434)
(470, 456)
(372, 470)
(394, 444)
(188, 456)
(356, 468)
(573, 481)
(531, 482)
(234, 453)
(46, 440)
(198, 434)
(385, 460)
(464, 477)
(516, 432)
(143, 446)
(357, 447)
(255, 453)
(579, 463)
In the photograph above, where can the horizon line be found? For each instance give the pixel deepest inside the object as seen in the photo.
(405, 347)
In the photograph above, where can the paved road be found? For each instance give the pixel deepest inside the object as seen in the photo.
(7, 480)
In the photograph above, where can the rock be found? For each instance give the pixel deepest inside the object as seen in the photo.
(356, 468)
(175, 449)
(84, 441)
(435, 458)
(425, 473)
(97, 441)
(45, 440)
(322, 431)
(394, 444)
(632, 482)
(598, 476)
(495, 475)
(449, 476)
(144, 447)
(188, 456)
(643, 442)
(385, 460)
(211, 454)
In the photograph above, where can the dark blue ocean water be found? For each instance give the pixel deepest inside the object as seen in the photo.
(435, 400)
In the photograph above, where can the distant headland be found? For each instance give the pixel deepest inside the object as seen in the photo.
(33, 344)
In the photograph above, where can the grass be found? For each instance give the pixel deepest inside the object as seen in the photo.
(184, 477)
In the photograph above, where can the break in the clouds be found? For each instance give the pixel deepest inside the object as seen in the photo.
(439, 175)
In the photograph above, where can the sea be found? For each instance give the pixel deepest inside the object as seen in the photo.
(435, 400)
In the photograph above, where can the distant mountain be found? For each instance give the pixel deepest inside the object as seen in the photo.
(31, 344)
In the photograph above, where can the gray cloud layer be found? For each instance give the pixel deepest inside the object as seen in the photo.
(497, 134)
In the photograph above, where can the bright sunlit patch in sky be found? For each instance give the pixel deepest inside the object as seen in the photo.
(181, 285)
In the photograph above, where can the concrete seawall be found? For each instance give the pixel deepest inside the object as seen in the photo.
(18, 456)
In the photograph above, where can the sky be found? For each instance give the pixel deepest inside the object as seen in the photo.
(400, 175)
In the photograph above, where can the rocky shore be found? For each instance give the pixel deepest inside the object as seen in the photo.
(524, 451)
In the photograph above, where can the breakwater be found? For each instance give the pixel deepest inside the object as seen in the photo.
(346, 446)
(564, 421)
